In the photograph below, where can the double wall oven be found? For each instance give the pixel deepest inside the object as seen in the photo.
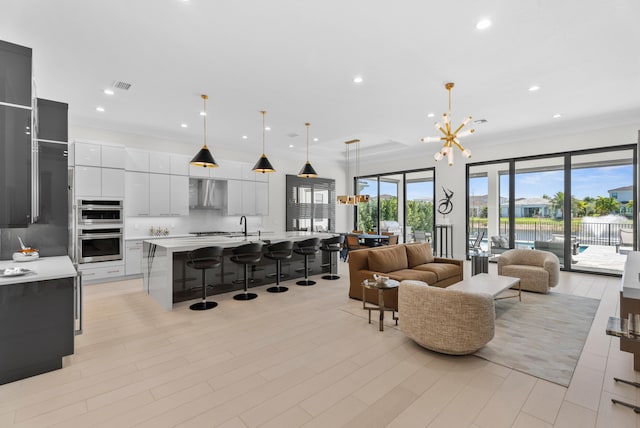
(99, 230)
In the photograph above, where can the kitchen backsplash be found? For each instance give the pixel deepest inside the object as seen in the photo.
(198, 221)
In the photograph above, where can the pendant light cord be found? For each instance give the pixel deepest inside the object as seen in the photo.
(204, 102)
(263, 130)
(307, 125)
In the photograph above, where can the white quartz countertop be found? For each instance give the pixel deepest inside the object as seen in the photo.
(43, 269)
(631, 276)
(193, 242)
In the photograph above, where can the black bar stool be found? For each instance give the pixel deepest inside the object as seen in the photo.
(332, 245)
(307, 248)
(247, 254)
(203, 259)
(278, 252)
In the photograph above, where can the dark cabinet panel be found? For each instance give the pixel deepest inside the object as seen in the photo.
(15, 166)
(36, 327)
(15, 74)
(52, 120)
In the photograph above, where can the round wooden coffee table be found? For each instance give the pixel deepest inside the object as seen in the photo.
(381, 286)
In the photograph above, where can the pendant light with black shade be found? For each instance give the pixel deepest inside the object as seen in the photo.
(307, 170)
(204, 157)
(263, 165)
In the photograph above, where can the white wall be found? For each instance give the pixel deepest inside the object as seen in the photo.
(201, 220)
(454, 177)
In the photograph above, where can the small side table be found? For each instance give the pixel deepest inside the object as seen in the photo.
(629, 328)
(389, 284)
(479, 263)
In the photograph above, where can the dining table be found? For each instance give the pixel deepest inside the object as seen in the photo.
(371, 240)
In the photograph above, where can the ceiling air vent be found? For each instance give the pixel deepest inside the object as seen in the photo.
(292, 135)
(121, 85)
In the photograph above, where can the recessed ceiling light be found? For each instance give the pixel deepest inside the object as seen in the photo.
(100, 109)
(184, 125)
(244, 137)
(430, 115)
(483, 24)
(315, 139)
(108, 91)
(358, 79)
(557, 116)
(534, 88)
(267, 128)
(291, 146)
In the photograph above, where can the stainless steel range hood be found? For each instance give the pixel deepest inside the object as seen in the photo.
(207, 194)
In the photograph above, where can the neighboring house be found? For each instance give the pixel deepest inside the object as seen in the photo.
(528, 207)
(622, 194)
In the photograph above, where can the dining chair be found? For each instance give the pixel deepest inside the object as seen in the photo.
(393, 240)
(351, 243)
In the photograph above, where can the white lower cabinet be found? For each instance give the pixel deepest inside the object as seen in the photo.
(101, 271)
(133, 257)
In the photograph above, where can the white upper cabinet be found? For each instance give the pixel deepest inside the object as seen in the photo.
(137, 160)
(159, 194)
(262, 198)
(179, 195)
(112, 183)
(136, 194)
(230, 170)
(88, 154)
(88, 181)
(180, 164)
(234, 198)
(112, 156)
(160, 162)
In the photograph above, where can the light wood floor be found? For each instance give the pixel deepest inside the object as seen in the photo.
(300, 359)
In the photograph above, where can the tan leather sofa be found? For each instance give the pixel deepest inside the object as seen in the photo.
(538, 270)
(443, 320)
(400, 262)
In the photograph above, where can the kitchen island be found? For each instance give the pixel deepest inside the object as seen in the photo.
(36, 317)
(169, 280)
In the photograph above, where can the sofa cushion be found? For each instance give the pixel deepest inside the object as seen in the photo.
(417, 275)
(504, 242)
(442, 270)
(387, 259)
(419, 254)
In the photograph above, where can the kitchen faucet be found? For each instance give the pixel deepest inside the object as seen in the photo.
(244, 218)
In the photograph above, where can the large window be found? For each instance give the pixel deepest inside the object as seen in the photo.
(577, 205)
(310, 204)
(400, 203)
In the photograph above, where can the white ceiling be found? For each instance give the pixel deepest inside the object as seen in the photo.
(297, 58)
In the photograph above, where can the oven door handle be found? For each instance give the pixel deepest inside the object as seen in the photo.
(99, 236)
(98, 208)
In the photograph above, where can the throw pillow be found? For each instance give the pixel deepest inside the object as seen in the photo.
(387, 259)
(419, 254)
(504, 242)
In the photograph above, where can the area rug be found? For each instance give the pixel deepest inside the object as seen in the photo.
(542, 336)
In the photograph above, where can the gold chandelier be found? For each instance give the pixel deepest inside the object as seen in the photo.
(450, 138)
(354, 199)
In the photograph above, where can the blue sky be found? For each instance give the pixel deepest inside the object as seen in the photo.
(592, 182)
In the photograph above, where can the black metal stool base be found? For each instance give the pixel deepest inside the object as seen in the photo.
(245, 296)
(331, 277)
(277, 289)
(306, 282)
(203, 306)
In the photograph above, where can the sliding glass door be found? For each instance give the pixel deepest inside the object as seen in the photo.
(400, 203)
(576, 205)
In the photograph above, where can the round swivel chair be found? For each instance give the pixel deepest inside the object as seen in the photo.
(307, 248)
(247, 254)
(203, 259)
(332, 245)
(278, 252)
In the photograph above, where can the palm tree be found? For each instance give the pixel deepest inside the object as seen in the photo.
(557, 204)
(606, 206)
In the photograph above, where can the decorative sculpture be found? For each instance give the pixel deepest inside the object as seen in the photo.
(446, 206)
